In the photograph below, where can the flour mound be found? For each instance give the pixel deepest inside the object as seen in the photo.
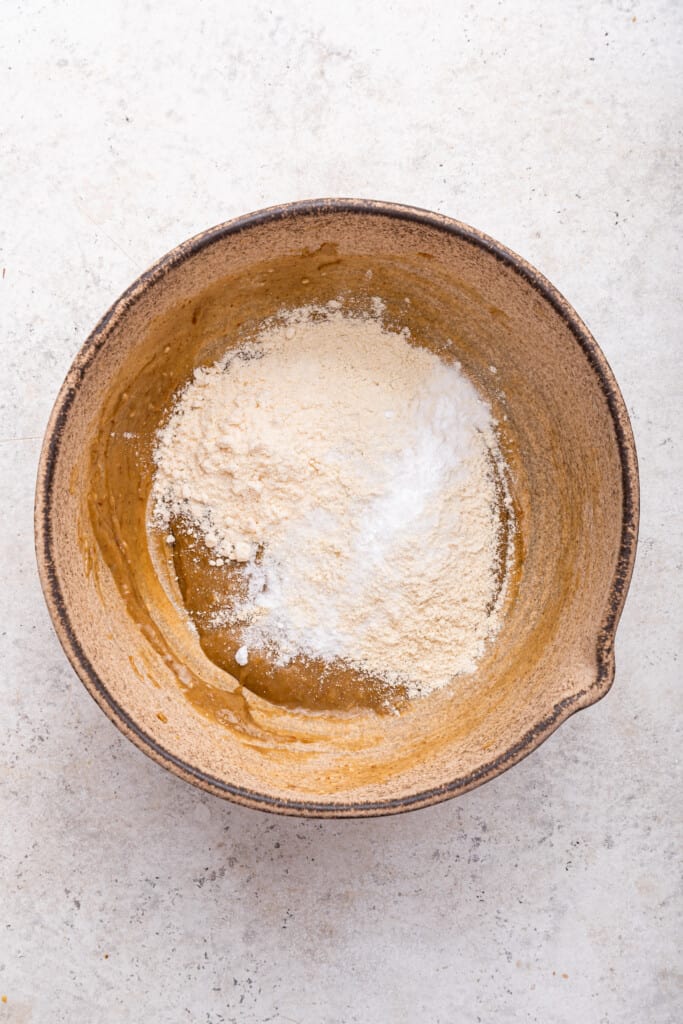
(351, 474)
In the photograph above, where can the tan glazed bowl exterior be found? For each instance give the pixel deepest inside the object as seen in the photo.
(574, 481)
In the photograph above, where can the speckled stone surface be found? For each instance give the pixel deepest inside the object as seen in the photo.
(553, 893)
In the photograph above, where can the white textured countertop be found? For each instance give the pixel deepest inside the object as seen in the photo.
(550, 894)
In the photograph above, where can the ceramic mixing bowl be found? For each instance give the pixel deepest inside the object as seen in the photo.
(573, 477)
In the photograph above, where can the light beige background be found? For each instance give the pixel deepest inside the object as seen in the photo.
(550, 895)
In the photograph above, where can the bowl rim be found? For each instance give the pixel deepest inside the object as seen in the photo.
(45, 539)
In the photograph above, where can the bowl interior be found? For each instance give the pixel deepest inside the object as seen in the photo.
(562, 428)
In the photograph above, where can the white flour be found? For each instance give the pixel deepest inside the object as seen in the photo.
(351, 474)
